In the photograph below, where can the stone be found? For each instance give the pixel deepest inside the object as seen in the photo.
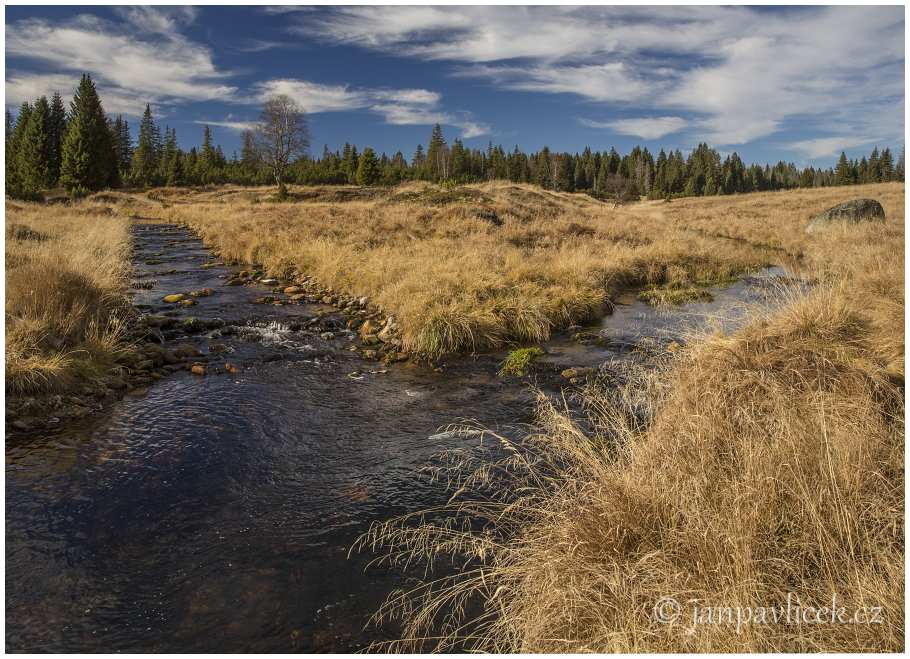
(298, 297)
(185, 350)
(577, 372)
(218, 348)
(369, 327)
(237, 281)
(198, 369)
(328, 299)
(205, 292)
(230, 368)
(370, 354)
(173, 298)
(268, 282)
(292, 290)
(145, 365)
(849, 212)
(327, 336)
(187, 303)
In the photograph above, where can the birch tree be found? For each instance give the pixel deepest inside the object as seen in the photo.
(281, 136)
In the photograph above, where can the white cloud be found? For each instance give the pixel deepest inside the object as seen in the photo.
(238, 126)
(831, 146)
(396, 106)
(741, 73)
(143, 60)
(649, 128)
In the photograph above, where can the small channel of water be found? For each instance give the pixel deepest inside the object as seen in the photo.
(215, 513)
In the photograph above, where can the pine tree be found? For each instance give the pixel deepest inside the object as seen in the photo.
(146, 155)
(368, 170)
(57, 133)
(842, 173)
(123, 146)
(438, 155)
(13, 181)
(88, 154)
(886, 166)
(33, 156)
(174, 175)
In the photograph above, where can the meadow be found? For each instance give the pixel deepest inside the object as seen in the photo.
(735, 471)
(67, 273)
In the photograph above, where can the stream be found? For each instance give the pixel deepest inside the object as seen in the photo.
(215, 513)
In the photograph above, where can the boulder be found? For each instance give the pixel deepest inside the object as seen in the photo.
(849, 212)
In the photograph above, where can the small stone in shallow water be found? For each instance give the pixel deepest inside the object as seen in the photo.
(292, 290)
(205, 292)
(174, 297)
(230, 368)
(198, 369)
(327, 336)
(268, 282)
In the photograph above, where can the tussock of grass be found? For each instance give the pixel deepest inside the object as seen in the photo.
(518, 361)
(675, 294)
(464, 268)
(67, 268)
(750, 467)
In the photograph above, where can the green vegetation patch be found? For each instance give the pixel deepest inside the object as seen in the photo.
(675, 293)
(518, 361)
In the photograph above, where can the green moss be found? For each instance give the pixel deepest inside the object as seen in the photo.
(518, 361)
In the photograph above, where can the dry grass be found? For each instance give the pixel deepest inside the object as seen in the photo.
(748, 468)
(67, 268)
(464, 269)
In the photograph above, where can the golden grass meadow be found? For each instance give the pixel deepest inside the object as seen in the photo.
(740, 469)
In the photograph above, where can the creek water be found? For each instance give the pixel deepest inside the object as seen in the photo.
(215, 513)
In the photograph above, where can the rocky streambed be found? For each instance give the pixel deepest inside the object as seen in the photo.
(265, 425)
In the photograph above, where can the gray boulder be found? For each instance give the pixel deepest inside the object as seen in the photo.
(849, 212)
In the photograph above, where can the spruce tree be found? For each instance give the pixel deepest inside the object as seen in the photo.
(842, 173)
(368, 170)
(13, 181)
(88, 154)
(33, 156)
(146, 155)
(57, 132)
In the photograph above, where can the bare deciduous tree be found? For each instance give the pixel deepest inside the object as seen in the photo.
(281, 135)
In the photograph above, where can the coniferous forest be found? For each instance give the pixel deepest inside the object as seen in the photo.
(83, 150)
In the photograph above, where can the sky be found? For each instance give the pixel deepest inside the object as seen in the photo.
(793, 83)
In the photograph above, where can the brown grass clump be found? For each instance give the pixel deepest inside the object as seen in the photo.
(762, 469)
(461, 269)
(67, 268)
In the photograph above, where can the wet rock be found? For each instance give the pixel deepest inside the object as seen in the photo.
(237, 281)
(327, 336)
(577, 372)
(849, 212)
(186, 350)
(173, 298)
(137, 393)
(268, 282)
(218, 348)
(394, 357)
(369, 327)
(292, 290)
(198, 369)
(205, 292)
(370, 340)
(187, 303)
(230, 368)
(298, 297)
(265, 299)
(370, 354)
(353, 323)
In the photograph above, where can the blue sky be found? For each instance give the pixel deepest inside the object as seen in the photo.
(796, 84)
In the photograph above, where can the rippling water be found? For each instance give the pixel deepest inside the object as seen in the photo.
(215, 513)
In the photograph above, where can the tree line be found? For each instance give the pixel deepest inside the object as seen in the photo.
(84, 150)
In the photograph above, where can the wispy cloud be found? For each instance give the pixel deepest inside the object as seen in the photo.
(144, 59)
(649, 128)
(396, 106)
(818, 147)
(741, 73)
(238, 126)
